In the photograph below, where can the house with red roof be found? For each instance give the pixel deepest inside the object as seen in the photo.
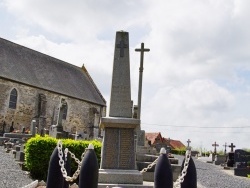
(157, 139)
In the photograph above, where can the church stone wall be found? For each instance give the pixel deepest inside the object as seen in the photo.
(81, 115)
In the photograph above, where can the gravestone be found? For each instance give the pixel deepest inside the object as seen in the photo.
(57, 130)
(230, 159)
(41, 113)
(220, 159)
(118, 152)
(241, 156)
(215, 150)
(33, 128)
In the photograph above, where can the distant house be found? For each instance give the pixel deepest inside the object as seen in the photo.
(175, 144)
(156, 140)
(32, 85)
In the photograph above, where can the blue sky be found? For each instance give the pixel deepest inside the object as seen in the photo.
(196, 75)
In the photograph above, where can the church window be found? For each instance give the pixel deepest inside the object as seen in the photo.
(13, 99)
(65, 111)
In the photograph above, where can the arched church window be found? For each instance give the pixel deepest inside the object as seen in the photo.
(65, 111)
(13, 99)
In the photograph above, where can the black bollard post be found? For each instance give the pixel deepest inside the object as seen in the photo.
(190, 179)
(88, 177)
(55, 178)
(68, 170)
(163, 176)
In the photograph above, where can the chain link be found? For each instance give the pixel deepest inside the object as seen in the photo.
(149, 166)
(61, 162)
(180, 179)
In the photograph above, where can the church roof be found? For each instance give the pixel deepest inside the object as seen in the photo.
(36, 69)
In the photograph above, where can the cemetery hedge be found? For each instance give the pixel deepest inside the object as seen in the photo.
(181, 151)
(39, 149)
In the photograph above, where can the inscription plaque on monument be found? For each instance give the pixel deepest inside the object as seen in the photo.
(124, 160)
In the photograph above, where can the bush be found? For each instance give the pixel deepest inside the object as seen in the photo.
(181, 151)
(39, 149)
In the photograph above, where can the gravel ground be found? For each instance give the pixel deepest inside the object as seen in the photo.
(208, 175)
(214, 176)
(11, 175)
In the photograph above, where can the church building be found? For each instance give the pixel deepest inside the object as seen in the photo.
(32, 85)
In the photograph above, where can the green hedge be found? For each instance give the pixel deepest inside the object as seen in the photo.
(178, 151)
(39, 149)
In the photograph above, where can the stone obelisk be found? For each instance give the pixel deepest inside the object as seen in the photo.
(118, 151)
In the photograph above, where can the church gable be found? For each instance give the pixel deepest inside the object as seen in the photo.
(32, 68)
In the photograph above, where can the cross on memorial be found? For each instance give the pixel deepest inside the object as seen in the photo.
(225, 148)
(142, 50)
(121, 45)
(232, 146)
(215, 144)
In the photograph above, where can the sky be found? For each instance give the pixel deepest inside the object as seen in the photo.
(196, 78)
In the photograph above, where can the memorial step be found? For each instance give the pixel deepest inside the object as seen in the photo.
(145, 157)
(146, 151)
(144, 185)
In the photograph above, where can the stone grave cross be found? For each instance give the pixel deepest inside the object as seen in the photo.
(215, 144)
(188, 142)
(225, 151)
(232, 146)
(188, 147)
(57, 130)
(142, 50)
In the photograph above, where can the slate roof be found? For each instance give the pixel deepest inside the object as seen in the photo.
(29, 67)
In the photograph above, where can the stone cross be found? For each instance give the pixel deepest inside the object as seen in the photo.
(225, 151)
(188, 142)
(232, 146)
(61, 109)
(215, 144)
(142, 50)
(121, 45)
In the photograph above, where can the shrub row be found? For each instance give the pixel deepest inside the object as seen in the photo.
(178, 151)
(39, 149)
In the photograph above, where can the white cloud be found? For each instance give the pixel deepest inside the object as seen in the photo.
(197, 70)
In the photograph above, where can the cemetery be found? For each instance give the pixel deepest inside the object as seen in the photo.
(125, 156)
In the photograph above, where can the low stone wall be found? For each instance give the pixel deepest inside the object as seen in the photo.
(17, 135)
